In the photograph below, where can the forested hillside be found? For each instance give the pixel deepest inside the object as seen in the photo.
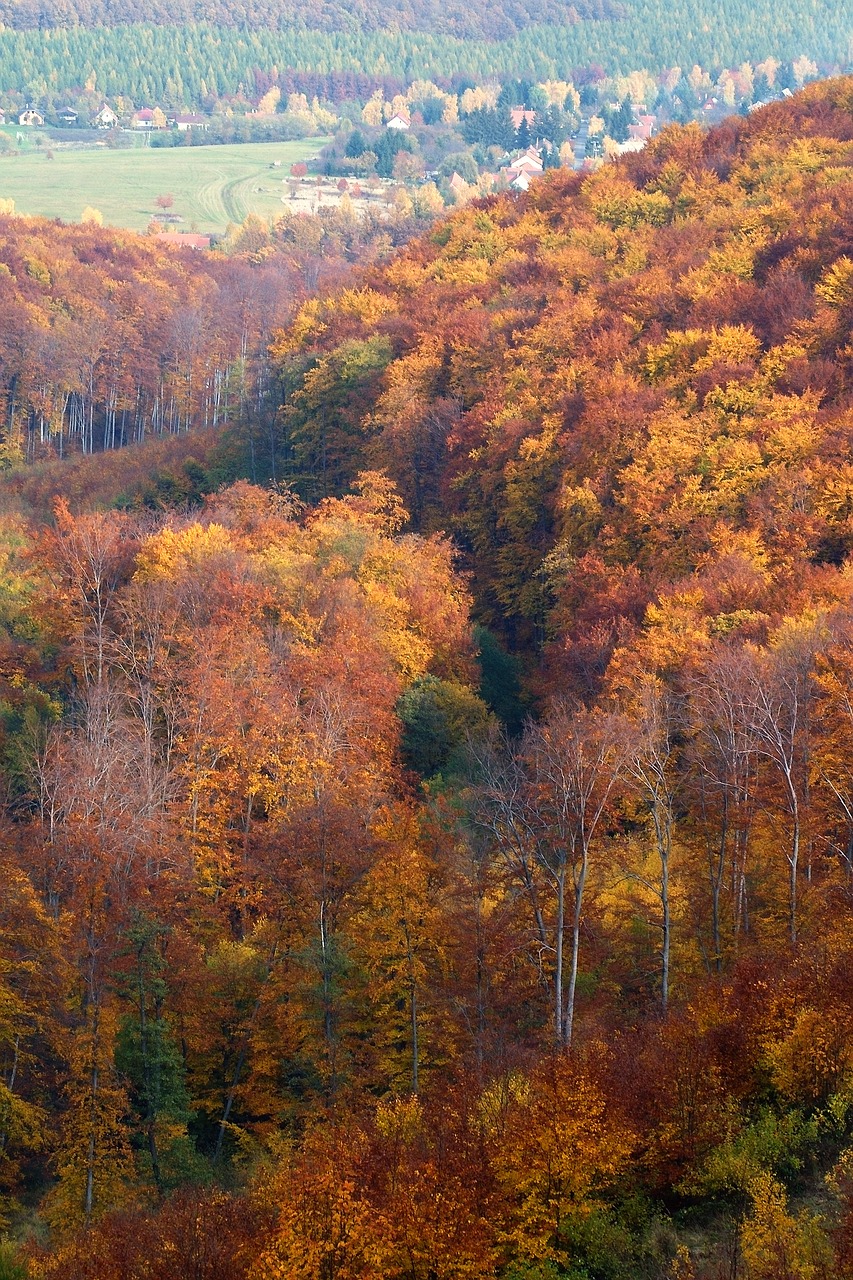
(108, 339)
(177, 65)
(612, 384)
(477, 21)
(439, 864)
(112, 338)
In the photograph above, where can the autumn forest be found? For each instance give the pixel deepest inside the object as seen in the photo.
(426, 731)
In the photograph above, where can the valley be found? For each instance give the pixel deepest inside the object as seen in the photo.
(426, 645)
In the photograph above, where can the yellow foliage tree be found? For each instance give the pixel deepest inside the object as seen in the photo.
(555, 1147)
(326, 1226)
(94, 1160)
(778, 1246)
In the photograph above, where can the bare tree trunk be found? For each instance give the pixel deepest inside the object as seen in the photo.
(576, 944)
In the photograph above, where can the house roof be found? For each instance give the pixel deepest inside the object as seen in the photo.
(184, 239)
(517, 114)
(190, 119)
(526, 164)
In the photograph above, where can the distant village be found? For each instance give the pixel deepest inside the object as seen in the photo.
(105, 118)
(441, 145)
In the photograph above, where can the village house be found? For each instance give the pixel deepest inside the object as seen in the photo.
(31, 118)
(529, 163)
(185, 122)
(106, 118)
(67, 115)
(643, 129)
(183, 239)
(145, 118)
(399, 121)
(457, 184)
(519, 114)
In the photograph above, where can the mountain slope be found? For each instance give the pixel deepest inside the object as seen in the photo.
(452, 18)
(615, 383)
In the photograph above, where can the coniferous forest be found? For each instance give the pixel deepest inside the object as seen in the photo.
(46, 57)
(426, 733)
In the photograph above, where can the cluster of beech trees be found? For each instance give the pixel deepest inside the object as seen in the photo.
(114, 339)
(110, 339)
(327, 951)
(445, 1026)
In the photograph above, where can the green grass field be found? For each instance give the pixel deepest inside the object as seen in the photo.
(211, 186)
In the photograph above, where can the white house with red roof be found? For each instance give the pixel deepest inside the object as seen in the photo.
(399, 120)
(183, 239)
(529, 163)
(185, 122)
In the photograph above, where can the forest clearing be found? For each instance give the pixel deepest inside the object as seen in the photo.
(210, 186)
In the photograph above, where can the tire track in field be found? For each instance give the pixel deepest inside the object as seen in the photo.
(227, 194)
(209, 199)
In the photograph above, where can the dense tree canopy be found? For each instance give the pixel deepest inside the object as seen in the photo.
(614, 385)
(454, 18)
(178, 55)
(318, 956)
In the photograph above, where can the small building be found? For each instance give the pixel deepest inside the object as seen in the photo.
(31, 118)
(643, 129)
(521, 182)
(186, 122)
(142, 119)
(399, 121)
(67, 115)
(183, 239)
(457, 183)
(529, 164)
(525, 165)
(106, 118)
(529, 160)
(519, 114)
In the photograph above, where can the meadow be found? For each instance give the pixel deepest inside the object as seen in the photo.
(210, 186)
